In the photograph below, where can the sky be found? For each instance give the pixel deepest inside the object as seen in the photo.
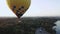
(39, 8)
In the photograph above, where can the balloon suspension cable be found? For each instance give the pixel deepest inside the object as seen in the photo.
(19, 20)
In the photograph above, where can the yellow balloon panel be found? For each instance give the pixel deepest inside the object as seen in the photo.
(19, 5)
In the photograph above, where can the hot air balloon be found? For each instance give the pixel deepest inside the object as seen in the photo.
(18, 7)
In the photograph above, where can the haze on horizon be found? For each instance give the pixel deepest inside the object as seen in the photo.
(37, 8)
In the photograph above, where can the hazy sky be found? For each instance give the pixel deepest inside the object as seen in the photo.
(37, 8)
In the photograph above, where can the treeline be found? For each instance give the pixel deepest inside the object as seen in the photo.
(29, 26)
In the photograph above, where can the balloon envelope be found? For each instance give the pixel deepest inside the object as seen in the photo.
(19, 7)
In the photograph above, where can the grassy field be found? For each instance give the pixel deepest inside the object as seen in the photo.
(28, 25)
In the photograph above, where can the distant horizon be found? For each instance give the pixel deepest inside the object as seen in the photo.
(29, 16)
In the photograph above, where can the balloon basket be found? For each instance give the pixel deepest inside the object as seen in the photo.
(19, 20)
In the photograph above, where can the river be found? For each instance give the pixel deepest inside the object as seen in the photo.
(42, 30)
(58, 27)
